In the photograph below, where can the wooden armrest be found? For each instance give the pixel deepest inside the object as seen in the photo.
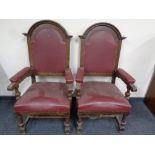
(133, 88)
(128, 80)
(12, 86)
(126, 77)
(21, 75)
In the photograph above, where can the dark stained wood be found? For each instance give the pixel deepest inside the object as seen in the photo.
(64, 35)
(120, 119)
(82, 54)
(150, 95)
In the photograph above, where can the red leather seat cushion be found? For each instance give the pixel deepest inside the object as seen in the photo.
(102, 97)
(44, 97)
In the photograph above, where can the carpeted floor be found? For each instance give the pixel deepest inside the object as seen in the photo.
(140, 122)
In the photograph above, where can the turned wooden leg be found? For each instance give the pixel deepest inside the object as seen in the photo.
(79, 125)
(121, 122)
(67, 126)
(17, 93)
(21, 123)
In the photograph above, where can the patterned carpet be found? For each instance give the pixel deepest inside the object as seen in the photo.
(140, 122)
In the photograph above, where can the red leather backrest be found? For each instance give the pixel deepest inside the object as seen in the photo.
(48, 48)
(100, 49)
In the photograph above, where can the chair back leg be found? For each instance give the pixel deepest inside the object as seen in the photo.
(79, 125)
(67, 125)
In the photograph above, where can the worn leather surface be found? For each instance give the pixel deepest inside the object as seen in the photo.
(68, 76)
(101, 47)
(21, 75)
(127, 78)
(102, 97)
(80, 75)
(44, 97)
(48, 49)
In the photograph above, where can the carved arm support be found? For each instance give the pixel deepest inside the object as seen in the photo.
(18, 78)
(69, 81)
(79, 80)
(128, 80)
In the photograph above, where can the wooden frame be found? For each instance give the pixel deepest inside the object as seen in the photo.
(64, 35)
(82, 53)
(22, 122)
(23, 118)
(120, 117)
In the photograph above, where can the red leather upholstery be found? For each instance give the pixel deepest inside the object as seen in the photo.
(101, 48)
(48, 49)
(44, 98)
(128, 79)
(21, 75)
(68, 76)
(80, 75)
(102, 97)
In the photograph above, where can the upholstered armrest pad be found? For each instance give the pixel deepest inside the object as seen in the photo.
(127, 78)
(69, 76)
(21, 75)
(80, 75)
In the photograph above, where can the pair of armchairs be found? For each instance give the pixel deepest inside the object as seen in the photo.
(49, 53)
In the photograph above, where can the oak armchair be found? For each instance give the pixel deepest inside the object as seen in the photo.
(100, 50)
(48, 45)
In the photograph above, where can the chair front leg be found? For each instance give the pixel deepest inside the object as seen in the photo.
(17, 93)
(21, 123)
(122, 122)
